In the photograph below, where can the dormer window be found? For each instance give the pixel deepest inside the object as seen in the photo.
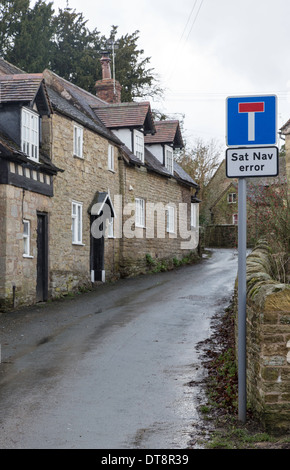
(139, 145)
(169, 159)
(30, 133)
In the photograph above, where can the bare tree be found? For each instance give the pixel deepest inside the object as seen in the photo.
(201, 161)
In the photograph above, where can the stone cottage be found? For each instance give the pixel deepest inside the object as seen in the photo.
(97, 177)
(26, 189)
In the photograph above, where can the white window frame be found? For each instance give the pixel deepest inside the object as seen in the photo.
(139, 212)
(78, 138)
(77, 222)
(169, 159)
(231, 197)
(235, 216)
(30, 133)
(193, 215)
(111, 154)
(139, 145)
(26, 239)
(170, 219)
(110, 227)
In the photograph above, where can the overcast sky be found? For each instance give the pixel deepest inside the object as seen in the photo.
(204, 51)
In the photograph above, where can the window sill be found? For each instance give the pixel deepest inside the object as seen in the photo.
(28, 256)
(111, 170)
(78, 244)
(78, 156)
(35, 160)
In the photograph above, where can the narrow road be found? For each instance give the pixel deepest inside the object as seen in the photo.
(110, 369)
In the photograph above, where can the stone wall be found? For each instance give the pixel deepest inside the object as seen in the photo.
(80, 180)
(268, 343)
(18, 274)
(137, 183)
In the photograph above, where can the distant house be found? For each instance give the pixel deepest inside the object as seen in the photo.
(285, 133)
(220, 209)
(87, 193)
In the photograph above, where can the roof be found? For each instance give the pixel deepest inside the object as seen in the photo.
(9, 149)
(8, 69)
(25, 88)
(137, 114)
(183, 176)
(76, 103)
(285, 129)
(153, 164)
(97, 205)
(167, 132)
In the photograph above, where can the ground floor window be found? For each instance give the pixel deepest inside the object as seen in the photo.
(139, 212)
(77, 228)
(26, 237)
(170, 219)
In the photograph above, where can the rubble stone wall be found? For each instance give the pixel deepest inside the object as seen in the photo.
(268, 343)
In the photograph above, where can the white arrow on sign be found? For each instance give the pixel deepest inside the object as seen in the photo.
(251, 109)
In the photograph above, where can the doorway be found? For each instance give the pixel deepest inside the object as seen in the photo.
(42, 257)
(97, 253)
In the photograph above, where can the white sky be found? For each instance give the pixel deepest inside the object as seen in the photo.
(204, 51)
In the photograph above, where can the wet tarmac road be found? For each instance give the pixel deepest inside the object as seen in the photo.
(110, 369)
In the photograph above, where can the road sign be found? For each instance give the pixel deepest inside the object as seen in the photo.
(251, 120)
(251, 131)
(252, 161)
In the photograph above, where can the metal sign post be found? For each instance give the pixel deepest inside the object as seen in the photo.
(251, 134)
(242, 297)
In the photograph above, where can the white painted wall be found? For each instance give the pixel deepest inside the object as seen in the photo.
(157, 151)
(125, 135)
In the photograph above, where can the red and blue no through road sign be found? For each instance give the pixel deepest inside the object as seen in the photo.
(251, 120)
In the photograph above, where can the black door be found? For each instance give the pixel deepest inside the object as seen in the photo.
(97, 252)
(42, 257)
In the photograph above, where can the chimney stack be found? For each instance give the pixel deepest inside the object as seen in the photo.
(108, 89)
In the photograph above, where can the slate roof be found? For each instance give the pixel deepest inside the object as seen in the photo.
(8, 69)
(9, 149)
(129, 115)
(167, 132)
(153, 164)
(76, 103)
(183, 176)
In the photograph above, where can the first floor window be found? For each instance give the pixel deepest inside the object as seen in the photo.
(193, 215)
(139, 212)
(235, 219)
(78, 141)
(111, 157)
(30, 133)
(232, 198)
(169, 159)
(170, 219)
(77, 228)
(26, 238)
(139, 145)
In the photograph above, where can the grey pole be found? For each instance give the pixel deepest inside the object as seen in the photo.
(242, 297)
